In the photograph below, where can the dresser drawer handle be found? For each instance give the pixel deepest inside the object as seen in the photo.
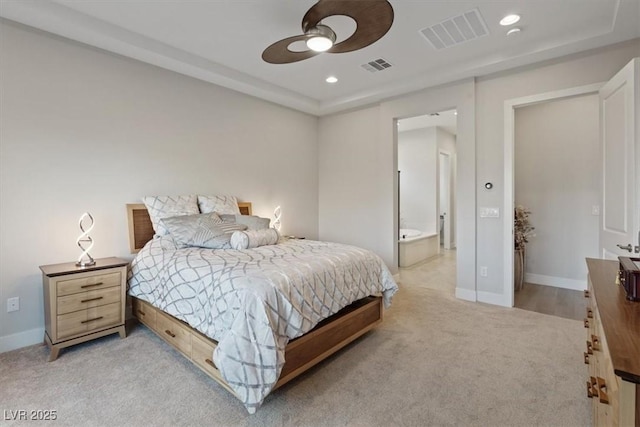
(589, 313)
(91, 285)
(586, 323)
(92, 299)
(589, 394)
(92, 320)
(596, 342)
(171, 334)
(602, 388)
(589, 347)
(210, 363)
(141, 313)
(594, 387)
(586, 294)
(586, 358)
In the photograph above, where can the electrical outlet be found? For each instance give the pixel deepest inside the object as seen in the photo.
(13, 304)
(484, 271)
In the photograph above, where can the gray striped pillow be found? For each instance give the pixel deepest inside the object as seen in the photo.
(201, 230)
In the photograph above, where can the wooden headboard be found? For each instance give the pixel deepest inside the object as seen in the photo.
(141, 230)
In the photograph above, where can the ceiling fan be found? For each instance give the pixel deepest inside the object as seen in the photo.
(373, 20)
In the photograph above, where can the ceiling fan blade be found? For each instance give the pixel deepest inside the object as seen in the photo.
(279, 53)
(373, 20)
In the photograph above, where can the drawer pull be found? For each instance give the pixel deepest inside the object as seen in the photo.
(91, 285)
(596, 342)
(210, 363)
(594, 387)
(586, 294)
(589, 347)
(589, 313)
(589, 394)
(586, 323)
(141, 313)
(586, 358)
(92, 320)
(171, 334)
(602, 388)
(92, 299)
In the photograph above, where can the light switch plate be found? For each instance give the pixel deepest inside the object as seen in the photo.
(489, 212)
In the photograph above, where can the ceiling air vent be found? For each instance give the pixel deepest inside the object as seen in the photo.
(376, 65)
(456, 30)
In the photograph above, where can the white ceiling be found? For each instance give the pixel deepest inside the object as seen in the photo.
(221, 41)
(446, 120)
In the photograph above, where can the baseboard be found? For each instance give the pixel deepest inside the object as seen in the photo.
(21, 339)
(493, 298)
(557, 282)
(466, 294)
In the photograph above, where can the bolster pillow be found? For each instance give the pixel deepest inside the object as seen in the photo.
(248, 239)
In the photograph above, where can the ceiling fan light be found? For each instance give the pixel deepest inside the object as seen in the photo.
(321, 38)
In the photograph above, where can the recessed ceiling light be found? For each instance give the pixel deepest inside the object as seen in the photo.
(509, 20)
(331, 79)
(515, 30)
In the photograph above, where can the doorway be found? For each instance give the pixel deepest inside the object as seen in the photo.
(426, 153)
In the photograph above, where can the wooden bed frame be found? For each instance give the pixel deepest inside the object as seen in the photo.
(301, 354)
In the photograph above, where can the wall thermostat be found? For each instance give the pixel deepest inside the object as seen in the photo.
(488, 186)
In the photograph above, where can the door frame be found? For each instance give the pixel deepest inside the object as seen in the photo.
(448, 224)
(510, 106)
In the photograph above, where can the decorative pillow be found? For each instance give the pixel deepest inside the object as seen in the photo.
(166, 206)
(254, 238)
(251, 221)
(201, 230)
(218, 204)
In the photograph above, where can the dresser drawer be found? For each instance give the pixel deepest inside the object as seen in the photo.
(89, 282)
(84, 300)
(144, 312)
(202, 355)
(84, 321)
(174, 332)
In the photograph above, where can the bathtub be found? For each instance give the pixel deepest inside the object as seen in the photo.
(417, 246)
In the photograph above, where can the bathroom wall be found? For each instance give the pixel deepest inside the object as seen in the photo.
(417, 163)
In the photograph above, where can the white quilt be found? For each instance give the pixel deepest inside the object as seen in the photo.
(254, 301)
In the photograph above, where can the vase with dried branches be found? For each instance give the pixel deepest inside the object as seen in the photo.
(522, 232)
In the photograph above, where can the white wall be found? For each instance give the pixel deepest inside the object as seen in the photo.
(447, 144)
(491, 94)
(417, 157)
(84, 130)
(358, 175)
(557, 176)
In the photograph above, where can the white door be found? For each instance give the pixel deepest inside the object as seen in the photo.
(620, 139)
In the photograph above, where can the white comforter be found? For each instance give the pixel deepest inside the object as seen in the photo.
(254, 301)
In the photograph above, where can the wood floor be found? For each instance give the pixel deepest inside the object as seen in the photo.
(549, 300)
(439, 273)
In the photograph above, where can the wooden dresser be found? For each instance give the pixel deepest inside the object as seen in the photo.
(613, 348)
(83, 303)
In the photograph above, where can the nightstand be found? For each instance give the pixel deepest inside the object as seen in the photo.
(83, 303)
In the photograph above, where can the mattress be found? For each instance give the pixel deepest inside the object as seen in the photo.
(253, 301)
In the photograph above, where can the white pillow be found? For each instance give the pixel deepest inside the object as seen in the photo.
(201, 230)
(249, 239)
(218, 204)
(167, 206)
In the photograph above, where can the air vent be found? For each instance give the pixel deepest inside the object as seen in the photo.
(456, 30)
(376, 65)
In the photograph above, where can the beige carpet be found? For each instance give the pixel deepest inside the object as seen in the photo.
(435, 361)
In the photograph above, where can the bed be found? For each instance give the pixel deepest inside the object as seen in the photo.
(254, 319)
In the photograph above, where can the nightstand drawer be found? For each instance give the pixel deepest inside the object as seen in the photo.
(176, 334)
(84, 300)
(88, 320)
(90, 282)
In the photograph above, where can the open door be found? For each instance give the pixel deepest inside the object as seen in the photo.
(620, 140)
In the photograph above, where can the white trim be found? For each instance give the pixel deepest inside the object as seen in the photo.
(21, 339)
(509, 144)
(556, 282)
(493, 298)
(466, 294)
